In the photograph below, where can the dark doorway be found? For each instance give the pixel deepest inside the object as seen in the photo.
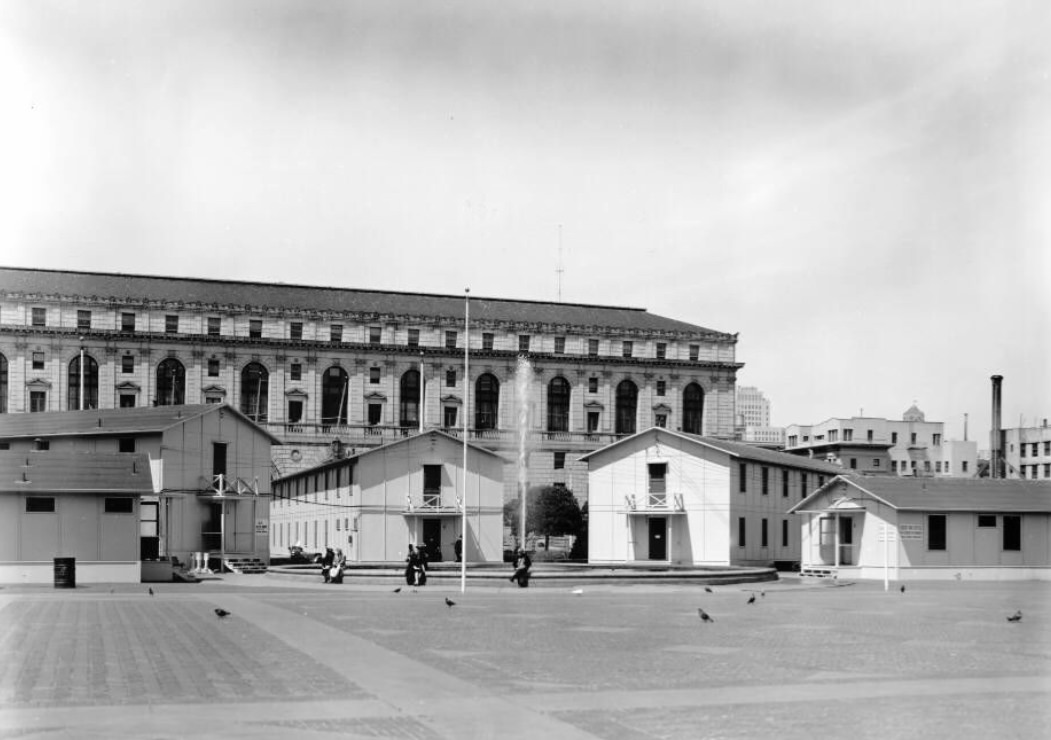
(432, 539)
(658, 538)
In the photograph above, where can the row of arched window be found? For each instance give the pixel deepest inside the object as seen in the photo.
(335, 385)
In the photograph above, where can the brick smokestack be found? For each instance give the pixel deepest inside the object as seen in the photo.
(996, 435)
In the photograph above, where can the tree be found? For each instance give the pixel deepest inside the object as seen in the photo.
(551, 511)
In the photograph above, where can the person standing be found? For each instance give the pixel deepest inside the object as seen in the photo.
(412, 561)
(458, 548)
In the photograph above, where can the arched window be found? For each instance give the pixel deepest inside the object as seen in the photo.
(693, 409)
(410, 399)
(255, 392)
(171, 383)
(335, 392)
(91, 383)
(3, 384)
(627, 405)
(486, 401)
(558, 405)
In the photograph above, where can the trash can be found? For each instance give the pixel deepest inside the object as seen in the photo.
(65, 572)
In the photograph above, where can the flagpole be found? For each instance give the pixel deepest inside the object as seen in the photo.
(466, 408)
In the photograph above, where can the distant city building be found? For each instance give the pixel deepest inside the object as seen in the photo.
(774, 436)
(912, 446)
(1027, 452)
(753, 407)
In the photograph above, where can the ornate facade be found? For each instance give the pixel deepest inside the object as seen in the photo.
(313, 365)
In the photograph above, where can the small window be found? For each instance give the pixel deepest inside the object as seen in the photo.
(964, 466)
(868, 435)
(214, 326)
(336, 333)
(37, 401)
(560, 460)
(83, 320)
(740, 531)
(449, 417)
(853, 463)
(414, 337)
(662, 350)
(560, 345)
(765, 489)
(592, 421)
(742, 478)
(764, 533)
(523, 342)
(487, 340)
(894, 438)
(127, 400)
(39, 317)
(375, 334)
(784, 533)
(171, 324)
(875, 463)
(592, 385)
(937, 440)
(912, 438)
(43, 445)
(126, 444)
(662, 387)
(593, 348)
(986, 521)
(661, 421)
(121, 505)
(627, 348)
(127, 363)
(936, 538)
(695, 352)
(295, 371)
(784, 483)
(450, 340)
(450, 378)
(295, 330)
(40, 504)
(213, 368)
(127, 322)
(803, 484)
(374, 375)
(38, 360)
(1012, 532)
(255, 328)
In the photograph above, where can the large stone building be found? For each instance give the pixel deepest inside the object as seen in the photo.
(312, 365)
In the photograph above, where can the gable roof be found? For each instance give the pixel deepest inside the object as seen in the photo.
(110, 422)
(75, 472)
(739, 450)
(249, 296)
(945, 494)
(438, 433)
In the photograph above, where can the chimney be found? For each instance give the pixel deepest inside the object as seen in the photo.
(996, 435)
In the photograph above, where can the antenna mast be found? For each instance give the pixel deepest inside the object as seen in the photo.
(559, 270)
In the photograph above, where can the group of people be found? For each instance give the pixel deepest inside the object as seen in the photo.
(332, 565)
(416, 566)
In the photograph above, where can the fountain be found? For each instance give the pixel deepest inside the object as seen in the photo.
(523, 383)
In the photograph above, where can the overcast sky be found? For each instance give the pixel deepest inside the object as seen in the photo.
(859, 189)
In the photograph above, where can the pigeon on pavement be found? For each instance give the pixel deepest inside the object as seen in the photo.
(903, 589)
(397, 590)
(708, 590)
(449, 602)
(751, 599)
(1016, 617)
(704, 615)
(221, 613)
(151, 592)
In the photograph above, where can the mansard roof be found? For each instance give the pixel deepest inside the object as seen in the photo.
(205, 294)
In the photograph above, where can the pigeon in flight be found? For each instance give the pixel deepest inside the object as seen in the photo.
(397, 590)
(449, 602)
(704, 615)
(1016, 617)
(221, 613)
(708, 590)
(751, 599)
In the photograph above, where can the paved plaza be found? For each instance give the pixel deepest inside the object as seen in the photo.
(300, 659)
